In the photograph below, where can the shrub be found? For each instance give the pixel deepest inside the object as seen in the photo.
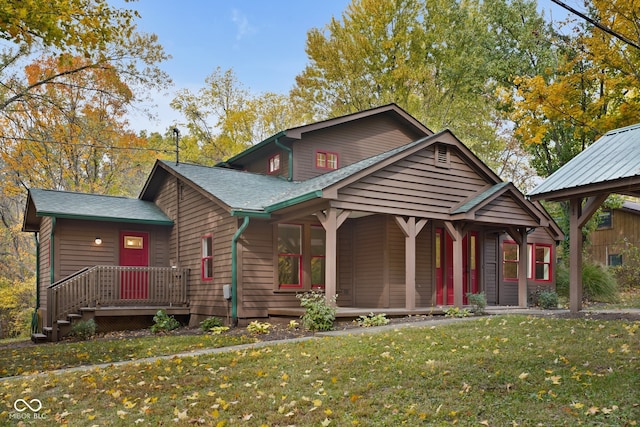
(210, 323)
(163, 322)
(548, 299)
(379, 319)
(598, 284)
(319, 314)
(457, 312)
(478, 301)
(628, 274)
(257, 327)
(217, 330)
(84, 329)
(293, 324)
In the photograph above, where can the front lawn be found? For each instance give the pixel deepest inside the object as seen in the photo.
(493, 371)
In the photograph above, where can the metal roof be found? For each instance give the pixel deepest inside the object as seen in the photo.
(64, 204)
(612, 159)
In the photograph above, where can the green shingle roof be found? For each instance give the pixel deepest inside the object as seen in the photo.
(64, 204)
(480, 198)
(246, 191)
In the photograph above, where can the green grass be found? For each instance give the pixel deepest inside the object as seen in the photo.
(47, 357)
(496, 371)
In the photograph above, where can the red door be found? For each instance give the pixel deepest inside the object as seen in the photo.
(444, 263)
(134, 252)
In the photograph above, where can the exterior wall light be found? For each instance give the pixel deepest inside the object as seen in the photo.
(98, 241)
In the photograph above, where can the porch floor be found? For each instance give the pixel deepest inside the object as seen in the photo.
(117, 311)
(354, 312)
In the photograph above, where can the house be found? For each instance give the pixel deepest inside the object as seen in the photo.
(608, 166)
(372, 206)
(617, 228)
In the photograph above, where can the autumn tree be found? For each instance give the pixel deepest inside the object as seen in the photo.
(224, 118)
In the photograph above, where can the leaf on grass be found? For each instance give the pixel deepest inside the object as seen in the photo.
(523, 376)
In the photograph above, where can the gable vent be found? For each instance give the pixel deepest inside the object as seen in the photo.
(442, 156)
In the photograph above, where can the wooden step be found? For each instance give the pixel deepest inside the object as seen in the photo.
(74, 316)
(63, 322)
(37, 337)
(47, 329)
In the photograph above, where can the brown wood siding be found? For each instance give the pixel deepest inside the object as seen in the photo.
(345, 286)
(424, 267)
(261, 165)
(414, 186)
(45, 257)
(352, 142)
(368, 265)
(505, 210)
(195, 216)
(625, 229)
(395, 263)
(490, 266)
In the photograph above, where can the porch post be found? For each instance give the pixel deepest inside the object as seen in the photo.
(458, 285)
(410, 228)
(523, 267)
(331, 221)
(575, 255)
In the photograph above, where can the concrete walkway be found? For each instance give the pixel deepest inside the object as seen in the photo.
(436, 321)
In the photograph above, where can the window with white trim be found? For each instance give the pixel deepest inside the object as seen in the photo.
(207, 257)
(326, 160)
(274, 163)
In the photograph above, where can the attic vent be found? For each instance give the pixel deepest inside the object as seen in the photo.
(442, 156)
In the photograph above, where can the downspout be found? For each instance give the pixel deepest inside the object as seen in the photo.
(289, 150)
(234, 270)
(34, 317)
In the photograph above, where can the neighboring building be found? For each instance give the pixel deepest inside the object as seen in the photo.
(371, 206)
(617, 228)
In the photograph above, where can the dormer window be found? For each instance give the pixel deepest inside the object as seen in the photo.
(274, 163)
(326, 160)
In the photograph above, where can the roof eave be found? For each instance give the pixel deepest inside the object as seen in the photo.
(167, 222)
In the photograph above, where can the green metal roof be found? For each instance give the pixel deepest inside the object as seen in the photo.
(64, 204)
(611, 159)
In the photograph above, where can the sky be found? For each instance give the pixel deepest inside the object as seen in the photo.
(263, 41)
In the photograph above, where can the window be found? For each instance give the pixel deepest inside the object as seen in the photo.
(615, 260)
(318, 246)
(207, 257)
(289, 256)
(539, 256)
(604, 219)
(510, 258)
(274, 163)
(133, 242)
(326, 160)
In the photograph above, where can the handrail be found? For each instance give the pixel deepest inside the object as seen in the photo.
(116, 286)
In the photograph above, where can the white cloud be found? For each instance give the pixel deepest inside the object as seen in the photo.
(243, 28)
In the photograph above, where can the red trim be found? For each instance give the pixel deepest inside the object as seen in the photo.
(326, 160)
(532, 261)
(270, 164)
(204, 258)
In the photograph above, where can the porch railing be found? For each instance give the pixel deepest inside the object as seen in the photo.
(107, 285)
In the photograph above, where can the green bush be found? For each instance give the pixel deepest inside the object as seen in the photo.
(163, 322)
(598, 282)
(628, 274)
(379, 319)
(478, 301)
(210, 323)
(84, 329)
(319, 314)
(257, 327)
(457, 312)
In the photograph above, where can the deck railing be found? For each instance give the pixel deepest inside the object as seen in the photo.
(107, 285)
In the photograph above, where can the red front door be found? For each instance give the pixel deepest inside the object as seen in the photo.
(444, 263)
(134, 252)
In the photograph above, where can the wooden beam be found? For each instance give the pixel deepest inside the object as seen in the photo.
(411, 228)
(590, 207)
(331, 220)
(575, 255)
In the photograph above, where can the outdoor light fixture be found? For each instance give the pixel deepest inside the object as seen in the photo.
(98, 240)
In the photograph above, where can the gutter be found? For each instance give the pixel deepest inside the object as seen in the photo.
(289, 150)
(234, 270)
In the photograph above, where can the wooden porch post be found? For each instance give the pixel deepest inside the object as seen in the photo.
(575, 255)
(458, 285)
(523, 268)
(331, 221)
(411, 229)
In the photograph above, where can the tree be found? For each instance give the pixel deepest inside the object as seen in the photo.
(441, 60)
(225, 118)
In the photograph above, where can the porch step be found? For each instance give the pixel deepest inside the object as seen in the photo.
(47, 329)
(37, 337)
(74, 316)
(63, 322)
